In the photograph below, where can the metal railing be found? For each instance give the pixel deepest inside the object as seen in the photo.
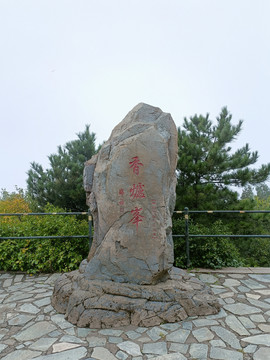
(89, 236)
(187, 236)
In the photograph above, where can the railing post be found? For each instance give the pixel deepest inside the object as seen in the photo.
(187, 236)
(90, 228)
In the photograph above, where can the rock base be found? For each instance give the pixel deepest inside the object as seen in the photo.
(104, 304)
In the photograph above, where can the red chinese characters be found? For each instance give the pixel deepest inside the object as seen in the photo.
(137, 191)
(137, 217)
(135, 165)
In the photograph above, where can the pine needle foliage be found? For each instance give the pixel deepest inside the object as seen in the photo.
(207, 166)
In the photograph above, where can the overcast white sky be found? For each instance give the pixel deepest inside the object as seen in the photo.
(67, 63)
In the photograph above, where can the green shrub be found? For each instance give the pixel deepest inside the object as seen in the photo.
(205, 252)
(43, 255)
(255, 251)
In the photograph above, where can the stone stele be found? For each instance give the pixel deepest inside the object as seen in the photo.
(129, 278)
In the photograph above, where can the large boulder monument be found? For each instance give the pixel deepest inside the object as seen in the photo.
(128, 277)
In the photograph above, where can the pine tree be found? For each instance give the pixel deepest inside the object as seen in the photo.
(207, 167)
(62, 184)
(263, 191)
(247, 193)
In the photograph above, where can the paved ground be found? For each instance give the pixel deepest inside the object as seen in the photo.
(31, 329)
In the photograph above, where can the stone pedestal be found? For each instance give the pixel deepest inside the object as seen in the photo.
(105, 304)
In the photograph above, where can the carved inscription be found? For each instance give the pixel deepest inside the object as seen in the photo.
(135, 165)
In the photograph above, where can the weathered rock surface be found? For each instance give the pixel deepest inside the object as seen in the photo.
(129, 277)
(105, 304)
(131, 194)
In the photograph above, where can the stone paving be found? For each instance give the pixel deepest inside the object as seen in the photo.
(31, 329)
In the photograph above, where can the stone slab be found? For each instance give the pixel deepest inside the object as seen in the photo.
(259, 304)
(181, 348)
(224, 354)
(158, 348)
(252, 284)
(95, 341)
(20, 319)
(257, 318)
(241, 309)
(236, 325)
(208, 278)
(111, 332)
(262, 354)
(217, 343)
(176, 356)
(198, 351)
(130, 347)
(121, 355)
(231, 282)
(264, 327)
(204, 322)
(78, 354)
(59, 347)
(156, 333)
(43, 343)
(259, 270)
(203, 334)
(29, 308)
(262, 339)
(22, 355)
(178, 336)
(235, 270)
(71, 339)
(250, 349)
(35, 331)
(227, 336)
(228, 270)
(117, 339)
(3, 347)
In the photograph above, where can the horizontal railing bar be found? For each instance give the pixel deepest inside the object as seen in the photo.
(223, 211)
(176, 212)
(228, 236)
(44, 237)
(54, 213)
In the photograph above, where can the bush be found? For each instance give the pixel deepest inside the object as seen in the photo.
(43, 255)
(254, 251)
(205, 252)
(13, 202)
